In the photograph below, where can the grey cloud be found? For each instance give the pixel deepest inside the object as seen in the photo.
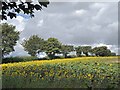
(59, 21)
(94, 26)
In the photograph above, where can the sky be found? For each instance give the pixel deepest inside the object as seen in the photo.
(74, 23)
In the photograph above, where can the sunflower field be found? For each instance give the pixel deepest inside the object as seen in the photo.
(84, 72)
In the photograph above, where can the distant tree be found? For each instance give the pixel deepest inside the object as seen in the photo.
(12, 8)
(52, 47)
(101, 51)
(33, 45)
(108, 53)
(95, 51)
(86, 50)
(9, 38)
(78, 50)
(66, 49)
(113, 54)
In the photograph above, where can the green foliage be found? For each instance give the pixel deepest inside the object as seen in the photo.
(12, 59)
(33, 44)
(11, 9)
(101, 51)
(78, 50)
(83, 49)
(113, 54)
(9, 38)
(52, 47)
(18, 59)
(69, 74)
(66, 49)
(86, 49)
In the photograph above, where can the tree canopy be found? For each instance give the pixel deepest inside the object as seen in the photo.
(13, 8)
(83, 49)
(36, 44)
(86, 50)
(53, 46)
(101, 51)
(33, 44)
(66, 49)
(9, 38)
(78, 50)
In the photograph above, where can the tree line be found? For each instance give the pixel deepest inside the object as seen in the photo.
(52, 46)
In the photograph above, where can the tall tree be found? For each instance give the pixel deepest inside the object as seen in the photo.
(101, 51)
(113, 54)
(52, 46)
(66, 49)
(9, 38)
(33, 45)
(79, 51)
(86, 50)
(10, 8)
(95, 51)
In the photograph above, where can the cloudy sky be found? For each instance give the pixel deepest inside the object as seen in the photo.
(76, 23)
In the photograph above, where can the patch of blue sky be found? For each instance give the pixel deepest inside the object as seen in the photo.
(25, 16)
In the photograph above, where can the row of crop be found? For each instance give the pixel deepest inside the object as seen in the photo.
(65, 75)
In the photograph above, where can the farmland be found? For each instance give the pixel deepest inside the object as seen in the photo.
(81, 72)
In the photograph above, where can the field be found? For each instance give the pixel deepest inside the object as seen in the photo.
(84, 72)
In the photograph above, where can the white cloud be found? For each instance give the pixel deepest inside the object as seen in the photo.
(19, 22)
(99, 13)
(80, 12)
(97, 5)
(102, 44)
(95, 27)
(19, 51)
(113, 25)
(40, 23)
(20, 19)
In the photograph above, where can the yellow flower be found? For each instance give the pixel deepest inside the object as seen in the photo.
(89, 75)
(42, 78)
(98, 64)
(110, 64)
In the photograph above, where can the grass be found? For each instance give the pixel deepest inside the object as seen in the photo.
(84, 72)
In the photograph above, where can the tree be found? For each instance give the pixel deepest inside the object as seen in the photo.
(78, 50)
(52, 47)
(113, 54)
(107, 53)
(95, 51)
(33, 45)
(101, 51)
(12, 8)
(86, 50)
(66, 49)
(9, 38)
